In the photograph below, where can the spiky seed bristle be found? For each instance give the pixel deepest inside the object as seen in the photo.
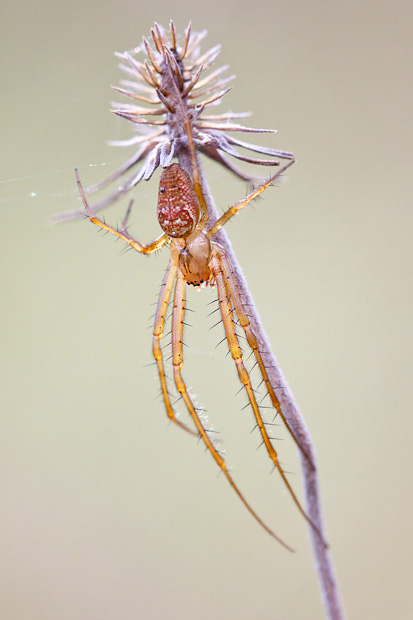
(169, 86)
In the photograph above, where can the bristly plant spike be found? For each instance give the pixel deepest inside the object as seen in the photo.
(170, 95)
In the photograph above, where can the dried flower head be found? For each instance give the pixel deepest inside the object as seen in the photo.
(170, 96)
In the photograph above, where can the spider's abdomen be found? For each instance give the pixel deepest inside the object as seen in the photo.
(178, 206)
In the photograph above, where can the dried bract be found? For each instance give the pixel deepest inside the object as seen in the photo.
(171, 90)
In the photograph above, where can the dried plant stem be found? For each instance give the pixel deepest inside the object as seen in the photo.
(322, 557)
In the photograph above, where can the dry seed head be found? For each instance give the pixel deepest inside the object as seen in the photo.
(170, 92)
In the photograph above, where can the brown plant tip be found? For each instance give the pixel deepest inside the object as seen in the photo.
(167, 88)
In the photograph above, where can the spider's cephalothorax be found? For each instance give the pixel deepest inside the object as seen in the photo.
(192, 256)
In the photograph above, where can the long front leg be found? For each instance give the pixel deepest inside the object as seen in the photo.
(178, 314)
(243, 203)
(252, 341)
(122, 234)
(158, 329)
(225, 305)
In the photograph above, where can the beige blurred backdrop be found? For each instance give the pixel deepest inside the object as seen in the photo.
(108, 512)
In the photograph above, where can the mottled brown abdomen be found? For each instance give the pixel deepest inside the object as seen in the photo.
(178, 207)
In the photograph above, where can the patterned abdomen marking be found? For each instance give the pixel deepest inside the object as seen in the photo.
(178, 207)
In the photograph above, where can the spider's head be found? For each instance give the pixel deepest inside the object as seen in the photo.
(194, 257)
(178, 206)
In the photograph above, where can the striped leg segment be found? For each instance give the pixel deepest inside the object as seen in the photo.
(229, 213)
(226, 303)
(252, 341)
(122, 234)
(158, 330)
(178, 314)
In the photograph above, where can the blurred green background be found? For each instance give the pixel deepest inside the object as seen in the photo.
(107, 512)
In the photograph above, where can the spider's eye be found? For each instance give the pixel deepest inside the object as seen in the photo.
(162, 190)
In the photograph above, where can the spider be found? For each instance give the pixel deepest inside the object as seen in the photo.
(197, 259)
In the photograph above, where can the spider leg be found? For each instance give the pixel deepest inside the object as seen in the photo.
(122, 234)
(229, 213)
(178, 314)
(252, 341)
(164, 296)
(225, 304)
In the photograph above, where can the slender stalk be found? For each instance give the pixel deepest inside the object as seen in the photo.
(322, 556)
